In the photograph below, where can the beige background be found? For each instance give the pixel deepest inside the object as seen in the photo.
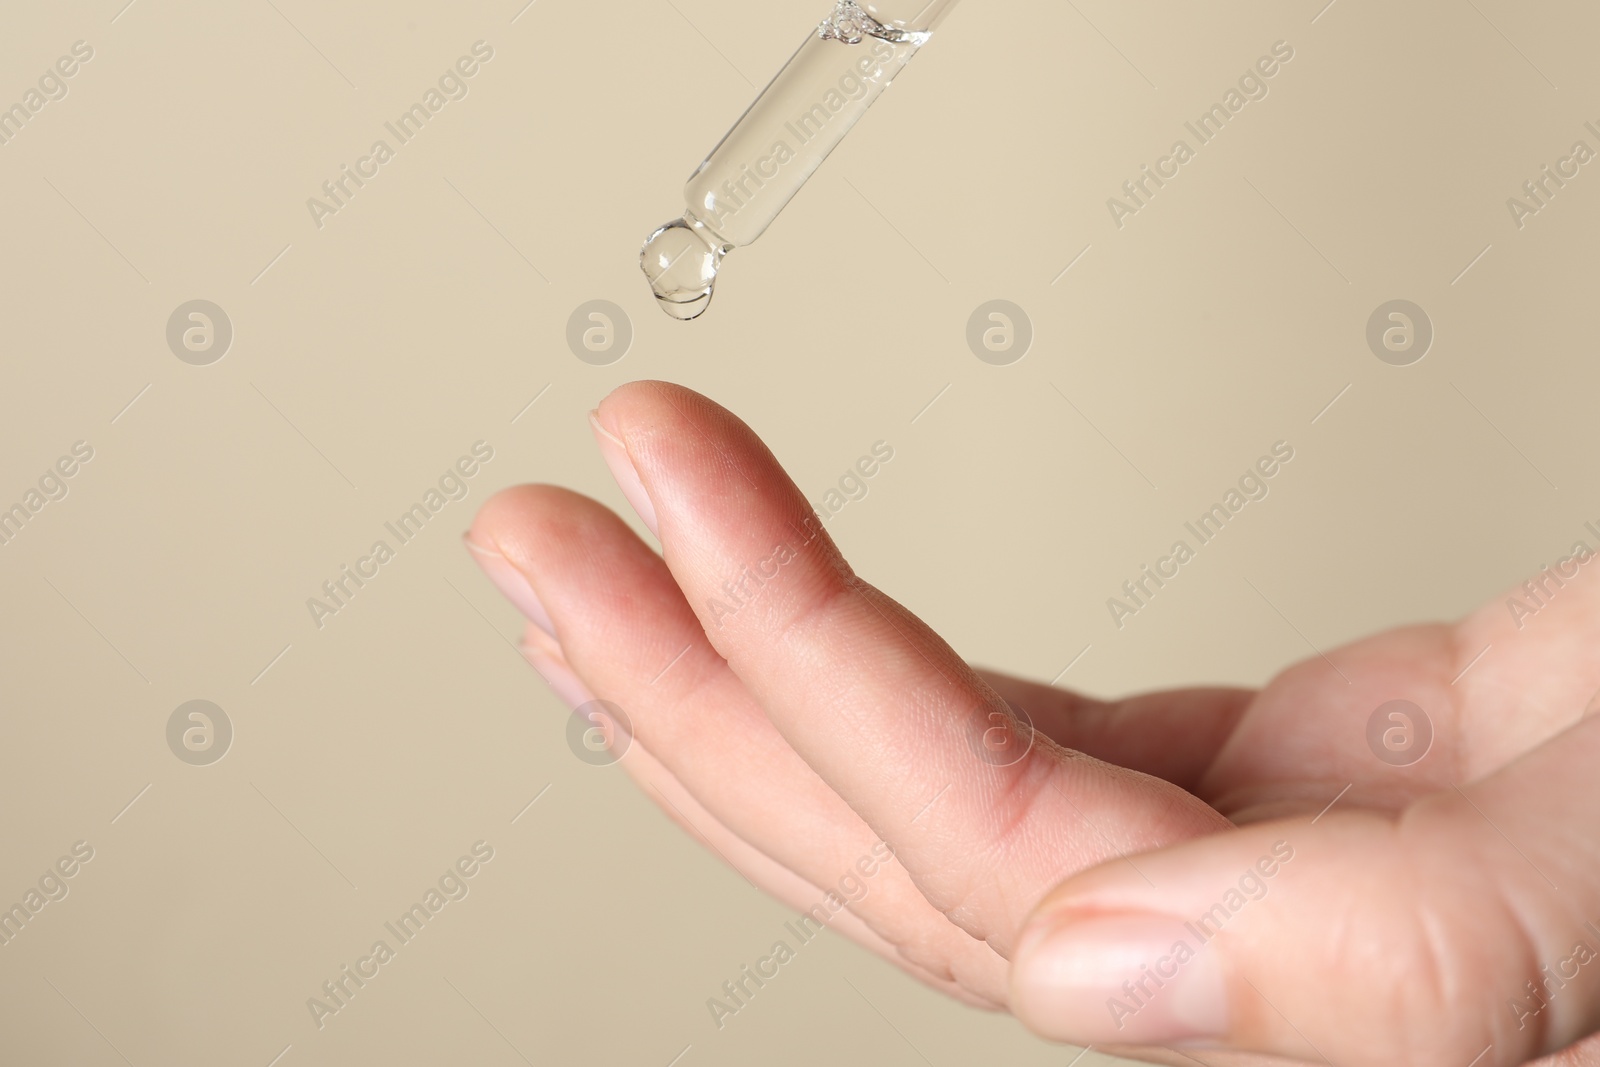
(371, 353)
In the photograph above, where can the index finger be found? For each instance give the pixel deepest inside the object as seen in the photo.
(882, 708)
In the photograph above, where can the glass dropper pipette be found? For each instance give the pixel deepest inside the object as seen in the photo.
(819, 95)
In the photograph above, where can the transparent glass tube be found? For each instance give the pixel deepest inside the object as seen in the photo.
(760, 164)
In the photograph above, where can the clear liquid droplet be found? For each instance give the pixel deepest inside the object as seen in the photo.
(681, 260)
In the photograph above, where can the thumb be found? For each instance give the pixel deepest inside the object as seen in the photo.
(1465, 930)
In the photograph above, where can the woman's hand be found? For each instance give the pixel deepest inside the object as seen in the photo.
(1334, 904)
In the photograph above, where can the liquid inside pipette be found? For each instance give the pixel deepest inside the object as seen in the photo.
(765, 159)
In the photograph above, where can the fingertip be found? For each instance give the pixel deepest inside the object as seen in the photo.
(615, 453)
(514, 585)
(1134, 977)
(627, 404)
(544, 655)
(512, 509)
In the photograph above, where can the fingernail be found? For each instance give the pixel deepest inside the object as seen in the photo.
(615, 453)
(1134, 979)
(558, 675)
(511, 583)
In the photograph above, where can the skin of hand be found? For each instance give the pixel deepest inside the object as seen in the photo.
(1333, 907)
